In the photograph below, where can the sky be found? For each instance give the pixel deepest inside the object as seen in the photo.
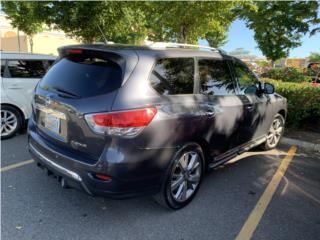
(240, 36)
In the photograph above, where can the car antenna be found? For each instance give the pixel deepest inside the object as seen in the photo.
(104, 36)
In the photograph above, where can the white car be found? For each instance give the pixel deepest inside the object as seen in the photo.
(20, 72)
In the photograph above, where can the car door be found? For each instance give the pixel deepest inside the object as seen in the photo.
(256, 105)
(221, 107)
(3, 75)
(173, 79)
(22, 77)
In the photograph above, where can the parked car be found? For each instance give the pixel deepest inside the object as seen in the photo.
(20, 72)
(124, 121)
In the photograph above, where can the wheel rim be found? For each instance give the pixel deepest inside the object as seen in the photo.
(186, 175)
(275, 132)
(9, 122)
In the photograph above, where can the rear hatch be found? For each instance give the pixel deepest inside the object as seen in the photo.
(84, 80)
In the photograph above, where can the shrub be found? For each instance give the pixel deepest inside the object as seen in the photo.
(312, 72)
(303, 101)
(288, 74)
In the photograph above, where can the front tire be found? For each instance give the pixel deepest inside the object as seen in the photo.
(10, 121)
(275, 133)
(183, 177)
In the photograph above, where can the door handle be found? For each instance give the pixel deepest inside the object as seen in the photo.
(250, 107)
(14, 86)
(210, 113)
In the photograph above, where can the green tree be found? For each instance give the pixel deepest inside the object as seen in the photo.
(279, 26)
(314, 57)
(119, 21)
(132, 22)
(24, 18)
(186, 22)
(217, 38)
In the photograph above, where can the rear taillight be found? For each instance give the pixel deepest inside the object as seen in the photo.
(125, 123)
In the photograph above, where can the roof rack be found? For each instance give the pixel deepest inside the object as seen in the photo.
(178, 45)
(164, 45)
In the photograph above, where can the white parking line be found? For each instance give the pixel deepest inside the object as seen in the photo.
(256, 214)
(16, 165)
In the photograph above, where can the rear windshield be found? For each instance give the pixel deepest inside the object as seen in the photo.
(83, 76)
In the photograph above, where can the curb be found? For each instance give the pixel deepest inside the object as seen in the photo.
(302, 144)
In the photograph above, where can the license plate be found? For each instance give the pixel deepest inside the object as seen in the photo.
(52, 120)
(52, 123)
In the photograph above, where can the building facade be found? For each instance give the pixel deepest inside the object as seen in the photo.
(45, 42)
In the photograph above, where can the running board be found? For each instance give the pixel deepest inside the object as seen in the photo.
(222, 161)
(241, 150)
(252, 145)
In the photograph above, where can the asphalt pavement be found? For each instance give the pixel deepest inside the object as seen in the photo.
(34, 206)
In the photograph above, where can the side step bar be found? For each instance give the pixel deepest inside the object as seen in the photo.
(232, 154)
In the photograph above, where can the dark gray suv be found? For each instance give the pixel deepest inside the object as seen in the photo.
(123, 121)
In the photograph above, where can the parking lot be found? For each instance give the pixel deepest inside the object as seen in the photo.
(34, 206)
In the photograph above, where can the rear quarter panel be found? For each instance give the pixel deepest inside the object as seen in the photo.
(17, 100)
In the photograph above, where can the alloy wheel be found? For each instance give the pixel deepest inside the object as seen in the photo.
(186, 176)
(9, 122)
(275, 132)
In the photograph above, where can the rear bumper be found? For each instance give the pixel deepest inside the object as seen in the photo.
(129, 179)
(58, 169)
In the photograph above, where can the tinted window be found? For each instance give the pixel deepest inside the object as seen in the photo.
(246, 79)
(47, 64)
(26, 68)
(215, 78)
(3, 65)
(173, 76)
(83, 76)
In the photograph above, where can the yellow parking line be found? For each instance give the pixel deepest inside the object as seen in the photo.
(258, 211)
(16, 165)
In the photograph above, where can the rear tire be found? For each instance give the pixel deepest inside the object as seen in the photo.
(275, 133)
(183, 177)
(11, 121)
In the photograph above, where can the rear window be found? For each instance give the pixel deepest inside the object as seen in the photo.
(83, 76)
(173, 76)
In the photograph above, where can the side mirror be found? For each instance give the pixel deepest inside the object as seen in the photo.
(268, 88)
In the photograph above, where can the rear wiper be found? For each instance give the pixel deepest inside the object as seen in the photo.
(65, 92)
